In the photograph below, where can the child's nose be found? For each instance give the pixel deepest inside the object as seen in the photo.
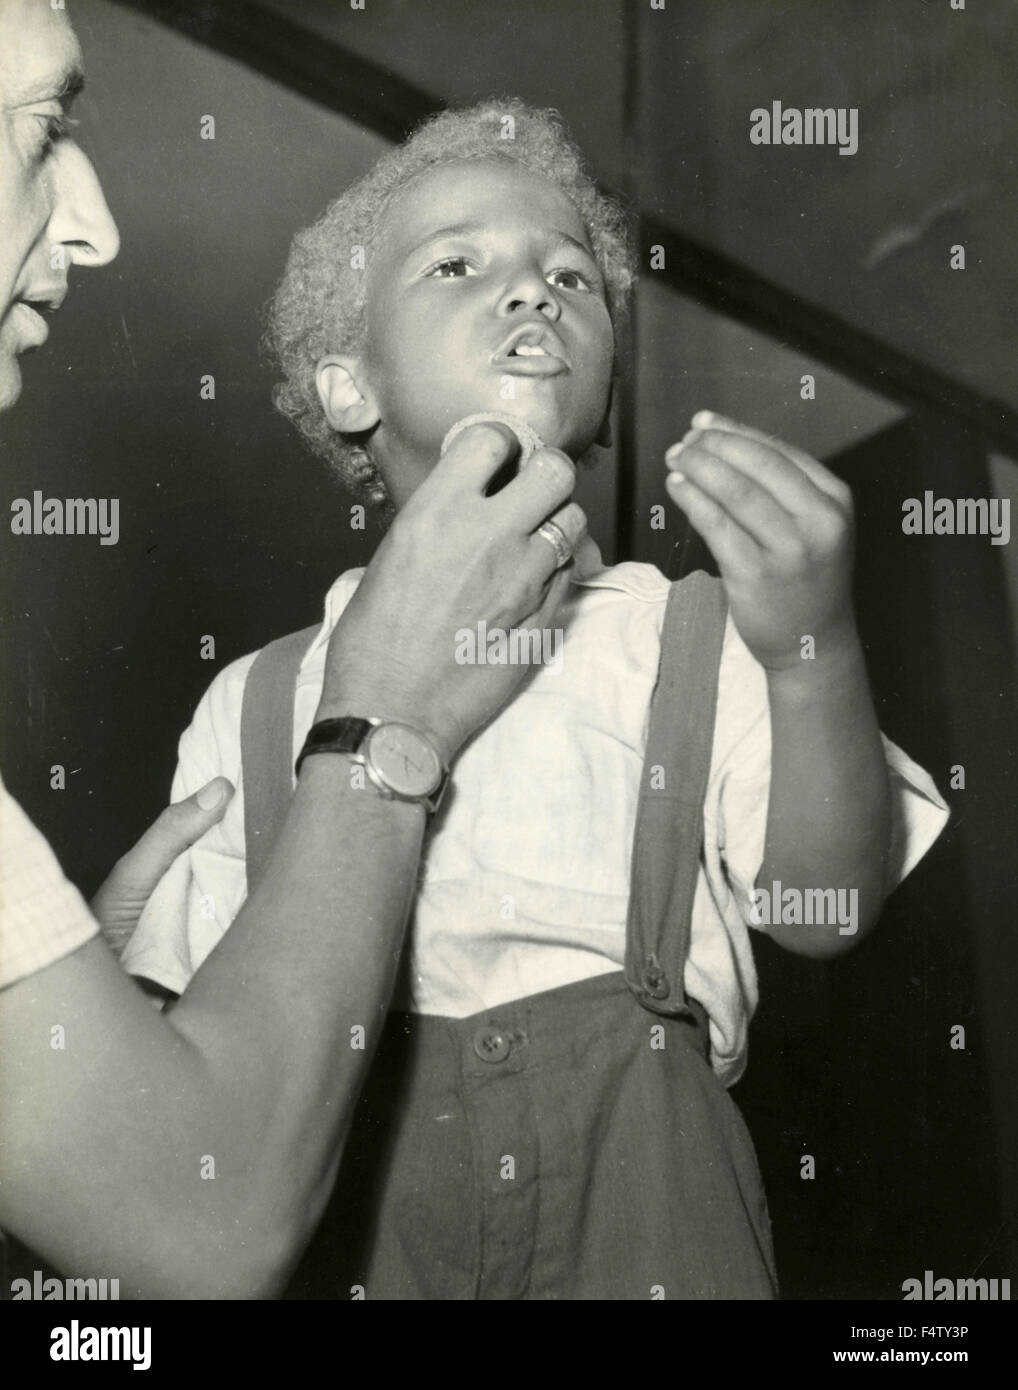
(529, 289)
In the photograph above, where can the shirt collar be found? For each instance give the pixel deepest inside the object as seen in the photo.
(640, 581)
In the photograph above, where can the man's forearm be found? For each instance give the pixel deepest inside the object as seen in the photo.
(229, 1113)
(829, 814)
(317, 947)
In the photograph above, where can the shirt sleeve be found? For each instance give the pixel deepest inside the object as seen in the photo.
(43, 917)
(738, 791)
(202, 891)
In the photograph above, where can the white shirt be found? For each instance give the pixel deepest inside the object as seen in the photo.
(525, 879)
(43, 917)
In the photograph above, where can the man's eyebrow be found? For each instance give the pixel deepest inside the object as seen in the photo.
(62, 86)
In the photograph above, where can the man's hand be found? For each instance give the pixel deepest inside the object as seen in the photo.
(453, 558)
(779, 525)
(118, 903)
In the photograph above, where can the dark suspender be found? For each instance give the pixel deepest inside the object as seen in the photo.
(668, 838)
(266, 744)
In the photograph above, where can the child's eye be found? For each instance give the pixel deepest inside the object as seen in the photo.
(569, 280)
(453, 268)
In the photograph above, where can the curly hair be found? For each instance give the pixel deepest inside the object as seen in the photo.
(319, 306)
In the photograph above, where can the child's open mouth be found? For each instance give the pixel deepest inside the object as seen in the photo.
(532, 350)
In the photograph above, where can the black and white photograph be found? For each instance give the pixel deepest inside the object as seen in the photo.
(509, 642)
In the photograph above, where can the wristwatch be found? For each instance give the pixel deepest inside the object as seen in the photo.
(400, 760)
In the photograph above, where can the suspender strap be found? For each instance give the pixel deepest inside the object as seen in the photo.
(669, 822)
(266, 744)
(668, 838)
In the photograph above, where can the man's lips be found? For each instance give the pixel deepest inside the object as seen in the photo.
(27, 312)
(32, 329)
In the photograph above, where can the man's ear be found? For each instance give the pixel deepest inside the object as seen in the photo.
(348, 402)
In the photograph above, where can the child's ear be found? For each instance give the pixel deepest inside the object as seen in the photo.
(346, 399)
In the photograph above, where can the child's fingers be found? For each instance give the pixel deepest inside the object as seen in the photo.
(730, 545)
(822, 477)
(745, 500)
(765, 465)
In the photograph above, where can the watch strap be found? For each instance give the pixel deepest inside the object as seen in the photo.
(346, 734)
(342, 735)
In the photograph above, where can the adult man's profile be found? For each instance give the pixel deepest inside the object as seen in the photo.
(113, 1111)
(52, 211)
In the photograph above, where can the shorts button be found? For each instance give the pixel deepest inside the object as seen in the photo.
(655, 982)
(491, 1045)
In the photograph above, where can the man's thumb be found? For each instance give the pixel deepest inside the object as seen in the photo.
(173, 832)
(213, 795)
(179, 826)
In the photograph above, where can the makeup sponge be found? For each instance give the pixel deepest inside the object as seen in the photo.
(530, 440)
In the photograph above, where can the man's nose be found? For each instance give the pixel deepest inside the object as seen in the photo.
(80, 222)
(528, 289)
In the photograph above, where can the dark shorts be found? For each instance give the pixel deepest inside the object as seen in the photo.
(566, 1145)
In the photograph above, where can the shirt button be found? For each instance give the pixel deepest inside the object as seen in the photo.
(491, 1045)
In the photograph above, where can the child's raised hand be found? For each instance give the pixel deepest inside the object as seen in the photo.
(780, 526)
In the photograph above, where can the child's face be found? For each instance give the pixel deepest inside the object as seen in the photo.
(474, 259)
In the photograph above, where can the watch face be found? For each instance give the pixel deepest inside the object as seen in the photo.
(404, 761)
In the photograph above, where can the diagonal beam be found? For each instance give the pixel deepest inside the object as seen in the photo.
(284, 50)
(720, 283)
(363, 91)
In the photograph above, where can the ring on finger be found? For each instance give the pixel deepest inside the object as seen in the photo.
(557, 539)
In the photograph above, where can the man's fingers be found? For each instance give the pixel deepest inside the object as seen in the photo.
(543, 616)
(174, 831)
(475, 457)
(571, 520)
(587, 559)
(538, 490)
(118, 903)
(472, 459)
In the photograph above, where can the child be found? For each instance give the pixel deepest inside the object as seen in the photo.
(529, 1130)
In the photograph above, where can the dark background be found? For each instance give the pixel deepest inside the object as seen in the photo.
(780, 261)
